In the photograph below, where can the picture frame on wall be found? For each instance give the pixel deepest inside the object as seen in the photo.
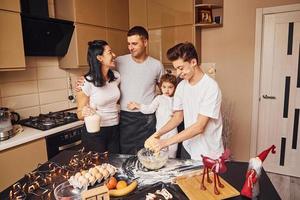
(206, 16)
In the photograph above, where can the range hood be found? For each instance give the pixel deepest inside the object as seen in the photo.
(44, 36)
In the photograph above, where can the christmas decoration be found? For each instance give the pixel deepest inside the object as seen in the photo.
(216, 166)
(251, 185)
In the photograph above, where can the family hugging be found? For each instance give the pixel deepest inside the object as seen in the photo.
(122, 91)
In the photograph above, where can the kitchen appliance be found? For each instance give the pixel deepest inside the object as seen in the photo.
(51, 120)
(69, 138)
(42, 35)
(7, 119)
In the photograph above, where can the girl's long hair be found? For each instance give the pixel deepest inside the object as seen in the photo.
(94, 74)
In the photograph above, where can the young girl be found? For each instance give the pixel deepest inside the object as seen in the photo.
(163, 106)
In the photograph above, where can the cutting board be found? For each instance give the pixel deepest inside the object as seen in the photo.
(190, 185)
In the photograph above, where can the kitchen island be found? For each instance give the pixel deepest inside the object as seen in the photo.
(235, 175)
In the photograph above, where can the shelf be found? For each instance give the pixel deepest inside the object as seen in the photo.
(208, 6)
(208, 25)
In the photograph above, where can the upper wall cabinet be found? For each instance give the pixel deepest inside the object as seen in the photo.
(12, 55)
(11, 5)
(77, 52)
(105, 13)
(88, 12)
(165, 38)
(117, 40)
(169, 13)
(83, 33)
(117, 14)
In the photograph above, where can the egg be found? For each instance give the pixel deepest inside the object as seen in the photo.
(83, 172)
(105, 173)
(111, 170)
(87, 175)
(98, 176)
(77, 175)
(93, 171)
(84, 182)
(92, 180)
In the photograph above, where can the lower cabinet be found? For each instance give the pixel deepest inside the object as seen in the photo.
(19, 160)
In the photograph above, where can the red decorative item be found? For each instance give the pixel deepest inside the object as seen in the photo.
(216, 166)
(251, 186)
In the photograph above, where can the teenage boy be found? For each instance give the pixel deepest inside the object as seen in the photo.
(197, 101)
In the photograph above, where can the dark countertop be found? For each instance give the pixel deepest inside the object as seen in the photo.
(235, 175)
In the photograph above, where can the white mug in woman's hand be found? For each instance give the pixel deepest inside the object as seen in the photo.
(92, 123)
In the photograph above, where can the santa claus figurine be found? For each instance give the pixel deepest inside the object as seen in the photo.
(251, 185)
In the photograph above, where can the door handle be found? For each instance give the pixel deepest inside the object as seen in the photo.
(67, 146)
(268, 97)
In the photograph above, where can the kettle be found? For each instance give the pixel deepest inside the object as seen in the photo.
(7, 119)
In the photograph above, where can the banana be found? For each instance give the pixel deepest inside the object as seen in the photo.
(124, 191)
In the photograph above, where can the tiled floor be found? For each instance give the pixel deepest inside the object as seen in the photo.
(287, 187)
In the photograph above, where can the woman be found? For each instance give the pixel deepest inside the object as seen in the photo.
(100, 94)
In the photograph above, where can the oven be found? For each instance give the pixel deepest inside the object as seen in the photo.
(67, 139)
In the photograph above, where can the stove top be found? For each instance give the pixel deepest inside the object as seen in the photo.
(51, 120)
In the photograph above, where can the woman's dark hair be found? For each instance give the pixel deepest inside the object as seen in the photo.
(138, 30)
(94, 74)
(186, 51)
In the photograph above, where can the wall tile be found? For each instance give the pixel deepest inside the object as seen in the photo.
(22, 101)
(50, 72)
(18, 88)
(54, 107)
(53, 97)
(13, 76)
(52, 84)
(72, 105)
(27, 112)
(30, 61)
(47, 61)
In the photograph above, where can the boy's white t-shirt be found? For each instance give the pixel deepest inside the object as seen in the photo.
(138, 80)
(202, 98)
(105, 99)
(162, 105)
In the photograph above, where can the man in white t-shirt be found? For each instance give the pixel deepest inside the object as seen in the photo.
(197, 101)
(140, 74)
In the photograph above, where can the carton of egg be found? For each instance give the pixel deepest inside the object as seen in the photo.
(90, 177)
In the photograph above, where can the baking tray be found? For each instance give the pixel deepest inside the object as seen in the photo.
(140, 193)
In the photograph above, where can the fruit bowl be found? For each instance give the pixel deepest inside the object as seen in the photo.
(65, 191)
(152, 160)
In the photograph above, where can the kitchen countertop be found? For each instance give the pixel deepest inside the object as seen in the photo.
(31, 134)
(235, 175)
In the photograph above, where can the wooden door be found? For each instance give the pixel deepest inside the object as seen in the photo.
(280, 92)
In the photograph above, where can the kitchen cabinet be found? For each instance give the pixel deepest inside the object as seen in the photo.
(19, 160)
(12, 56)
(87, 12)
(10, 5)
(104, 13)
(77, 52)
(117, 40)
(169, 13)
(164, 38)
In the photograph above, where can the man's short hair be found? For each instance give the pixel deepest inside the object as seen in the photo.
(138, 30)
(185, 51)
